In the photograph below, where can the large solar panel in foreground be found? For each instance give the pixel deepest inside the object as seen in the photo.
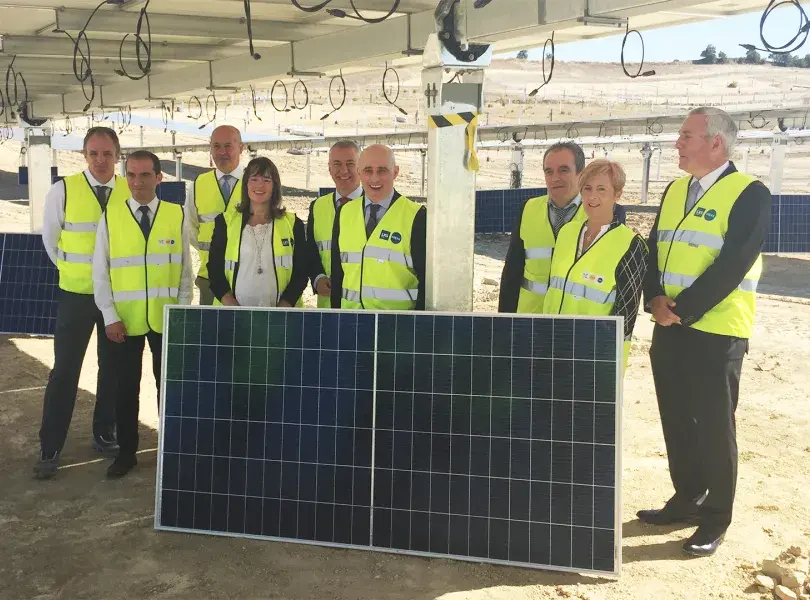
(28, 285)
(478, 437)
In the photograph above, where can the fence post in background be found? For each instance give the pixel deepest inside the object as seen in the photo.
(658, 164)
(309, 170)
(778, 153)
(123, 165)
(178, 165)
(646, 152)
(516, 166)
(141, 137)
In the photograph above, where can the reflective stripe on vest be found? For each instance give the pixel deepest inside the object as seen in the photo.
(210, 204)
(688, 245)
(282, 230)
(378, 272)
(77, 240)
(145, 273)
(580, 290)
(538, 243)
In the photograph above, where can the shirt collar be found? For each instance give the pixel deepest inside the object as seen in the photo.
(576, 201)
(134, 205)
(237, 172)
(95, 182)
(384, 203)
(353, 196)
(709, 180)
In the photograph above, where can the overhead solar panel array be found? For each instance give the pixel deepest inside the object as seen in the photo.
(478, 437)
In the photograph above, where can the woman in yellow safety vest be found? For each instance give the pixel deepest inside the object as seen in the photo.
(598, 266)
(258, 254)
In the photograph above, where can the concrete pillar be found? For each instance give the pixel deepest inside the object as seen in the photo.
(646, 152)
(39, 177)
(516, 167)
(778, 153)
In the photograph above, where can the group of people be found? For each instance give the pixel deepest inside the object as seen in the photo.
(122, 255)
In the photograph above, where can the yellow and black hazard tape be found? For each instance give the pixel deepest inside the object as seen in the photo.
(470, 121)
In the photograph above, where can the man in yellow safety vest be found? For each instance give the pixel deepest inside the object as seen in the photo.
(73, 208)
(141, 264)
(378, 244)
(212, 193)
(704, 265)
(343, 157)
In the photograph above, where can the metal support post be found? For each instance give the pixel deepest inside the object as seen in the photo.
(778, 153)
(39, 177)
(141, 137)
(178, 166)
(424, 169)
(123, 165)
(516, 166)
(646, 152)
(746, 154)
(451, 172)
(309, 170)
(658, 164)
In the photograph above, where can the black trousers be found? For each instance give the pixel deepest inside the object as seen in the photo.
(76, 316)
(127, 359)
(697, 381)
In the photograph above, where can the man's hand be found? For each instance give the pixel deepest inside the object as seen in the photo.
(324, 287)
(660, 306)
(229, 300)
(116, 332)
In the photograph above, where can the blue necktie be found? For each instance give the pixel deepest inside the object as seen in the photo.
(144, 221)
(225, 186)
(371, 225)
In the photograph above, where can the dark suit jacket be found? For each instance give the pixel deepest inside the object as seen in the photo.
(216, 261)
(418, 252)
(748, 225)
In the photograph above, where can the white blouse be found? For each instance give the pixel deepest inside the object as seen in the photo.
(256, 283)
(602, 231)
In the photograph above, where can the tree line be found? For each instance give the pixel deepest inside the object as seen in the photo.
(710, 56)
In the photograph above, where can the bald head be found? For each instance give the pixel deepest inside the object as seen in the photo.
(226, 147)
(378, 170)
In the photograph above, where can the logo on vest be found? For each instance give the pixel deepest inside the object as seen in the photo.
(699, 212)
(166, 242)
(710, 215)
(285, 241)
(593, 277)
(396, 238)
(384, 235)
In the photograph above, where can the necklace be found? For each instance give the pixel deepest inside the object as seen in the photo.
(259, 245)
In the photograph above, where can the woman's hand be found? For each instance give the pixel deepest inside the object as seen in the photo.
(229, 300)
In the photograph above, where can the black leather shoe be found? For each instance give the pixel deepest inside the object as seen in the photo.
(106, 444)
(669, 515)
(121, 466)
(704, 542)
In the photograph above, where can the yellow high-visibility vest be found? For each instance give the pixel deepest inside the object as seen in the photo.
(74, 257)
(538, 243)
(323, 217)
(688, 245)
(210, 204)
(283, 247)
(145, 274)
(378, 273)
(586, 285)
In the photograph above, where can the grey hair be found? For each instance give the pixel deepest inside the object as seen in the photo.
(718, 122)
(346, 145)
(575, 149)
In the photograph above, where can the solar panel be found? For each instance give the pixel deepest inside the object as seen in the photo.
(28, 286)
(480, 437)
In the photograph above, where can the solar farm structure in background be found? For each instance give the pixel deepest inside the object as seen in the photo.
(479, 437)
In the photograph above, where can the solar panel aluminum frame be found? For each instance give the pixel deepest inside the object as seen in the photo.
(617, 547)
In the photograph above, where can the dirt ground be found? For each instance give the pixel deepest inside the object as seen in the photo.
(81, 536)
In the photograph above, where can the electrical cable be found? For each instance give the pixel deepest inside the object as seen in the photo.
(641, 64)
(199, 104)
(311, 9)
(249, 22)
(166, 114)
(125, 118)
(546, 80)
(253, 101)
(306, 95)
(339, 13)
(286, 96)
(213, 117)
(796, 42)
(81, 68)
(17, 79)
(68, 125)
(339, 78)
(145, 68)
(385, 93)
(3, 105)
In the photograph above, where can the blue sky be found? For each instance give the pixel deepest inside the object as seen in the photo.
(685, 42)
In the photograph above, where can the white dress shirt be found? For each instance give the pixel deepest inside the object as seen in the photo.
(602, 231)
(353, 196)
(709, 180)
(383, 204)
(255, 252)
(192, 218)
(102, 286)
(53, 220)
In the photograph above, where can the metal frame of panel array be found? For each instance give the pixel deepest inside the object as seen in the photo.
(480, 437)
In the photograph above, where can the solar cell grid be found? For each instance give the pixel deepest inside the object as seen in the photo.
(477, 437)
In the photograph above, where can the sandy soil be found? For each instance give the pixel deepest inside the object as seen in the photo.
(80, 536)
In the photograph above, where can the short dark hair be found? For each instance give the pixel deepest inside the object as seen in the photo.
(146, 155)
(576, 150)
(106, 131)
(263, 167)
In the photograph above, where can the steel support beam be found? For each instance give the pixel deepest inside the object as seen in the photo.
(39, 177)
(646, 152)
